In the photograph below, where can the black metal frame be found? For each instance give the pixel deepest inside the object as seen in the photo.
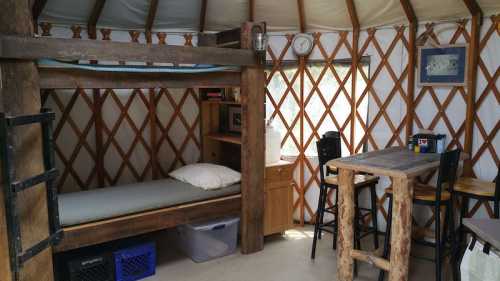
(447, 174)
(329, 147)
(12, 186)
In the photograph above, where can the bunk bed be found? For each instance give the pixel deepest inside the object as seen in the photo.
(97, 216)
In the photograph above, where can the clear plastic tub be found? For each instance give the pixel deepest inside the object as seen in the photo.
(208, 240)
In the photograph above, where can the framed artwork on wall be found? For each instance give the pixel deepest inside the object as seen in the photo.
(445, 65)
(234, 119)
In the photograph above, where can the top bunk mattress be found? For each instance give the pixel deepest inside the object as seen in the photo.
(104, 203)
(198, 68)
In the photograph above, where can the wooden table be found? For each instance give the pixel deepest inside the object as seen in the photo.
(487, 230)
(402, 165)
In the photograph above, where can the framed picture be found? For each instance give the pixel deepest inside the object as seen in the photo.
(234, 119)
(442, 66)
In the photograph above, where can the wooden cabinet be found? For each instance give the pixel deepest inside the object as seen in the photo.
(278, 208)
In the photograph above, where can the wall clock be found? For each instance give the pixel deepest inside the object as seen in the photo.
(302, 44)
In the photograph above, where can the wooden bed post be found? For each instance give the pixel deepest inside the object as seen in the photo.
(19, 95)
(252, 151)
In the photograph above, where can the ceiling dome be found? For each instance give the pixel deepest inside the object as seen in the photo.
(280, 15)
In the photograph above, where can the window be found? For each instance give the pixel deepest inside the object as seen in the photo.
(306, 103)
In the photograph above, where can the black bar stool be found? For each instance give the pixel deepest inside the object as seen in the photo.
(329, 147)
(468, 188)
(436, 197)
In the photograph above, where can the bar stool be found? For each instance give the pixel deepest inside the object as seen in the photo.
(436, 197)
(471, 188)
(329, 147)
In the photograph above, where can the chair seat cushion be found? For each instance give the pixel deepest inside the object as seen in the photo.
(475, 187)
(359, 180)
(425, 193)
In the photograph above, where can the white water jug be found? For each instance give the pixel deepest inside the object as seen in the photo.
(273, 144)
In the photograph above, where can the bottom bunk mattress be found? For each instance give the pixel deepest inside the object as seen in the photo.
(99, 204)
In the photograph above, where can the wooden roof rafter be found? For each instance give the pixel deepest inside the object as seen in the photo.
(353, 14)
(94, 17)
(153, 7)
(409, 12)
(302, 16)
(203, 15)
(251, 10)
(37, 8)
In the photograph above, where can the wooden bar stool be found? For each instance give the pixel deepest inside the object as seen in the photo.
(329, 147)
(437, 197)
(471, 188)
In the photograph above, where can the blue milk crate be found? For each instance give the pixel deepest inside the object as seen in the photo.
(135, 263)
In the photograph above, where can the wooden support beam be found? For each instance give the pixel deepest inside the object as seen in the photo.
(94, 17)
(252, 151)
(37, 9)
(472, 69)
(153, 7)
(251, 10)
(354, 67)
(302, 16)
(345, 242)
(20, 95)
(29, 48)
(412, 58)
(72, 79)
(203, 14)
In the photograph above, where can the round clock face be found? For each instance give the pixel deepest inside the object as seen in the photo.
(302, 44)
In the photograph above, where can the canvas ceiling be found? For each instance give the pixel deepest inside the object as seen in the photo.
(280, 15)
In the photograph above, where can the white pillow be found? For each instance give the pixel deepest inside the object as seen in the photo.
(207, 176)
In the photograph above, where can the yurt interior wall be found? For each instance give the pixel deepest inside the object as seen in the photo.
(305, 98)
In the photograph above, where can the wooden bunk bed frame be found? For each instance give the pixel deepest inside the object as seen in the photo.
(249, 204)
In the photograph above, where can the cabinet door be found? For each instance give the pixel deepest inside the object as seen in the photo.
(277, 212)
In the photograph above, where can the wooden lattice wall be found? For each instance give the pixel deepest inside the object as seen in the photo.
(131, 157)
(385, 88)
(106, 137)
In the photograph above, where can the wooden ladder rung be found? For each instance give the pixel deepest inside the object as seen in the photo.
(371, 258)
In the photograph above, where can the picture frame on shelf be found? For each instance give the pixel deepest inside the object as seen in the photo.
(444, 65)
(234, 119)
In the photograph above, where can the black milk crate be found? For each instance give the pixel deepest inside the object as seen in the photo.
(92, 268)
(135, 263)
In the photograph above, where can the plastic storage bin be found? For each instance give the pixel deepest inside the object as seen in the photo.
(135, 263)
(208, 240)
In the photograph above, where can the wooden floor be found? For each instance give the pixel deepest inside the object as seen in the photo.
(284, 258)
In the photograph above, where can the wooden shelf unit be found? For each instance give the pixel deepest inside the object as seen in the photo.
(221, 102)
(218, 147)
(230, 138)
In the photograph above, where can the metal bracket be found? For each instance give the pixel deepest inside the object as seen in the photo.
(7, 149)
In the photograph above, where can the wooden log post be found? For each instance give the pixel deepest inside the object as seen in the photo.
(345, 242)
(400, 234)
(19, 95)
(252, 151)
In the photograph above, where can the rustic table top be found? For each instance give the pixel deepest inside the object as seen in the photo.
(392, 162)
(486, 229)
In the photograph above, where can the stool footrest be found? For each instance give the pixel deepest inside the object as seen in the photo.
(371, 259)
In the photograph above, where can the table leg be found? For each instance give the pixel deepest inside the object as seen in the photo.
(401, 229)
(346, 225)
